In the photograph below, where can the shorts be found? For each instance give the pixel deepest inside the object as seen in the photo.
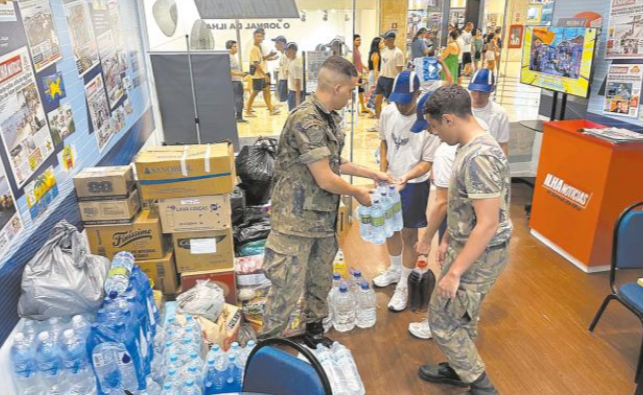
(415, 198)
(466, 57)
(384, 86)
(478, 56)
(282, 90)
(360, 86)
(259, 84)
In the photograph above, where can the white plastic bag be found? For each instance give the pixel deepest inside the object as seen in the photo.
(63, 278)
(205, 299)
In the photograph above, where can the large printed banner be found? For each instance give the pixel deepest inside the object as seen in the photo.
(623, 90)
(79, 23)
(625, 30)
(41, 32)
(23, 124)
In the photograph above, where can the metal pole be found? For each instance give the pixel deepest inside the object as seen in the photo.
(236, 27)
(196, 110)
(504, 29)
(353, 105)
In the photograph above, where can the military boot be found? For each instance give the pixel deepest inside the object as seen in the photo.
(315, 335)
(441, 374)
(482, 386)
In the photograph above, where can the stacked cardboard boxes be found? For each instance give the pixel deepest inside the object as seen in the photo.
(110, 208)
(191, 187)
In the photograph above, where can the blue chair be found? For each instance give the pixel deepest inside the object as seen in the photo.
(270, 370)
(627, 253)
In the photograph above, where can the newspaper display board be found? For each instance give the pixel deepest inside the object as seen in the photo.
(314, 60)
(625, 30)
(623, 90)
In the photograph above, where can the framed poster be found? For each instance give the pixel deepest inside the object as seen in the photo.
(625, 30)
(515, 36)
(623, 90)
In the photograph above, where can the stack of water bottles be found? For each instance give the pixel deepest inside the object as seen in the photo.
(224, 370)
(50, 357)
(339, 365)
(125, 337)
(351, 303)
(384, 217)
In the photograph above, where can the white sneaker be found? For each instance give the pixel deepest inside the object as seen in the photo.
(390, 276)
(399, 300)
(421, 330)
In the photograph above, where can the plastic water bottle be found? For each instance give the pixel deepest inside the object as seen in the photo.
(48, 359)
(234, 375)
(194, 373)
(191, 388)
(103, 357)
(396, 200)
(387, 206)
(23, 362)
(421, 284)
(333, 371)
(56, 328)
(221, 366)
(81, 326)
(127, 358)
(174, 378)
(347, 365)
(168, 389)
(246, 351)
(378, 220)
(29, 330)
(366, 311)
(209, 375)
(119, 272)
(365, 225)
(74, 353)
(328, 321)
(215, 352)
(344, 309)
(355, 280)
(152, 388)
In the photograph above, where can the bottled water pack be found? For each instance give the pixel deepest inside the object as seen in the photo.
(383, 218)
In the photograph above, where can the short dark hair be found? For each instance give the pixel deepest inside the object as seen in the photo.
(340, 65)
(450, 99)
(356, 36)
(454, 34)
(229, 44)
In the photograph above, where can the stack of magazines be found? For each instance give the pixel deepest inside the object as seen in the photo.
(614, 135)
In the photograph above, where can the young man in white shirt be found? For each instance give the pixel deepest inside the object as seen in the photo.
(408, 157)
(392, 65)
(237, 79)
(295, 77)
(282, 82)
(481, 87)
(467, 39)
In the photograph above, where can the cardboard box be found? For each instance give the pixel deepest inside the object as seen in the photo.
(104, 183)
(198, 251)
(225, 330)
(343, 220)
(103, 212)
(192, 170)
(162, 272)
(143, 238)
(223, 278)
(195, 214)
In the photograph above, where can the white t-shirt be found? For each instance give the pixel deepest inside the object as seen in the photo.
(496, 117)
(467, 39)
(283, 66)
(295, 72)
(391, 60)
(405, 148)
(460, 42)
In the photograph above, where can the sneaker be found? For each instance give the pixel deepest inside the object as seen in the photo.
(399, 300)
(240, 120)
(420, 330)
(390, 276)
(374, 129)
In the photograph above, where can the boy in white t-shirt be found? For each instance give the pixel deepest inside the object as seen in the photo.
(295, 77)
(408, 157)
(481, 87)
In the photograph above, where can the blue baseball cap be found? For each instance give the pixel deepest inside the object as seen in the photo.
(421, 124)
(483, 81)
(404, 87)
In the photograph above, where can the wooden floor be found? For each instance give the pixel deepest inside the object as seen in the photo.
(533, 328)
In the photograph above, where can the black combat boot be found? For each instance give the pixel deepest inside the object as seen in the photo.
(441, 374)
(315, 335)
(482, 386)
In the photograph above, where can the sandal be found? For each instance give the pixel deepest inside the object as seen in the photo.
(275, 112)
(249, 115)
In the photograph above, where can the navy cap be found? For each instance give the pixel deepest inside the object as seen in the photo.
(390, 34)
(482, 81)
(406, 84)
(280, 39)
(421, 124)
(293, 45)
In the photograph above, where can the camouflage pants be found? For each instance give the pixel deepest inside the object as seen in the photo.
(296, 266)
(454, 322)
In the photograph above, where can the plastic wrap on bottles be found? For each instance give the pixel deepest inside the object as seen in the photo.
(205, 299)
(63, 278)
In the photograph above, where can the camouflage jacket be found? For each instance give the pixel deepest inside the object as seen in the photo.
(299, 206)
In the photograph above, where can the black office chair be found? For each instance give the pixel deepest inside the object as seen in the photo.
(270, 370)
(627, 253)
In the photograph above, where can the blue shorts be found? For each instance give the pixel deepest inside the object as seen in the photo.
(292, 99)
(282, 90)
(384, 86)
(415, 198)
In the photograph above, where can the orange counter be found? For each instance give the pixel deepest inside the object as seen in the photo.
(583, 185)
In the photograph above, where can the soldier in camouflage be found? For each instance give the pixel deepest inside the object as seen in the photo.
(475, 249)
(305, 200)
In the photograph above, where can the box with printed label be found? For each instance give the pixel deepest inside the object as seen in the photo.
(343, 220)
(162, 272)
(102, 212)
(104, 183)
(172, 172)
(143, 238)
(195, 213)
(223, 278)
(197, 251)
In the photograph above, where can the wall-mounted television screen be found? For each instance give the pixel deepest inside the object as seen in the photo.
(558, 58)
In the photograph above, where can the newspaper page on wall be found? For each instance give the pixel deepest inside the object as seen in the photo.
(81, 33)
(25, 132)
(7, 12)
(10, 221)
(623, 90)
(314, 60)
(99, 110)
(625, 30)
(41, 32)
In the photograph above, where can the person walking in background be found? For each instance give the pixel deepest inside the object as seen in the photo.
(419, 47)
(392, 65)
(451, 53)
(478, 43)
(374, 66)
(237, 79)
(467, 40)
(282, 81)
(361, 70)
(481, 86)
(295, 77)
(260, 77)
(490, 52)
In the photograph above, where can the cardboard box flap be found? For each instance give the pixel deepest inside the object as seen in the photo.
(185, 163)
(105, 171)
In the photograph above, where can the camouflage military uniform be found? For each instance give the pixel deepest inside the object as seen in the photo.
(302, 245)
(481, 171)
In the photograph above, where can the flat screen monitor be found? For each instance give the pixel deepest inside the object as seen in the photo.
(558, 58)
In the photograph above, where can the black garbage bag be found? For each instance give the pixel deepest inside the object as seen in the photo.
(238, 203)
(257, 193)
(256, 163)
(257, 231)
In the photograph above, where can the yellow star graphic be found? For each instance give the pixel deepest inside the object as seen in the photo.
(54, 88)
